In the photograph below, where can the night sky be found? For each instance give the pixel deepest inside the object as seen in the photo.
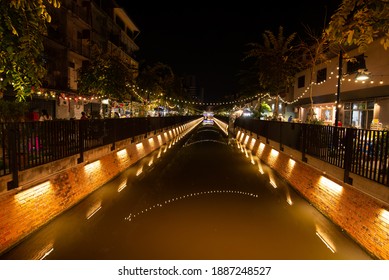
(208, 40)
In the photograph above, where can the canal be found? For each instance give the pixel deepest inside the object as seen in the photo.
(200, 197)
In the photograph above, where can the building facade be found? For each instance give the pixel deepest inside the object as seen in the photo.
(79, 30)
(361, 103)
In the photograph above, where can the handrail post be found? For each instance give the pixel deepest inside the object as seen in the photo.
(303, 142)
(81, 136)
(348, 154)
(13, 157)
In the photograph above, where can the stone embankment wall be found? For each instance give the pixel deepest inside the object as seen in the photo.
(48, 190)
(362, 216)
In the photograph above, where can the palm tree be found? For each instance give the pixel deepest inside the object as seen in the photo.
(276, 61)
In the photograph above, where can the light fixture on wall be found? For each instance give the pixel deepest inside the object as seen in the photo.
(362, 75)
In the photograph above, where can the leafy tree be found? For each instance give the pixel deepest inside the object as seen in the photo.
(22, 30)
(108, 76)
(277, 61)
(359, 23)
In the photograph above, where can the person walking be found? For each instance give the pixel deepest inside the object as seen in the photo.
(45, 116)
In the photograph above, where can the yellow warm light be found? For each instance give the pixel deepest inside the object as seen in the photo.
(331, 184)
(44, 252)
(93, 210)
(289, 199)
(274, 153)
(291, 163)
(260, 167)
(241, 137)
(260, 148)
(151, 140)
(122, 186)
(159, 137)
(253, 141)
(325, 238)
(90, 167)
(238, 134)
(139, 146)
(34, 192)
(122, 154)
(246, 140)
(384, 215)
(140, 170)
(151, 161)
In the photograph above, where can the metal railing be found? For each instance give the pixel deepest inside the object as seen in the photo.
(359, 151)
(26, 145)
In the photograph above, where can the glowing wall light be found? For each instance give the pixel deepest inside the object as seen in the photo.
(384, 216)
(139, 146)
(252, 143)
(246, 140)
(274, 153)
(159, 137)
(90, 167)
(122, 154)
(35, 191)
(336, 188)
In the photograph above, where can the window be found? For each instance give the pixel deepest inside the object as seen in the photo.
(321, 75)
(359, 114)
(301, 82)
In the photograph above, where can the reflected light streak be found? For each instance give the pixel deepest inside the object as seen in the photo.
(252, 159)
(93, 210)
(46, 254)
(260, 167)
(332, 185)
(151, 161)
(273, 184)
(325, 242)
(140, 170)
(122, 186)
(159, 152)
(289, 199)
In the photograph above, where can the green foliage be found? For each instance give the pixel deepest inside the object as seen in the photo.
(12, 111)
(358, 23)
(158, 78)
(106, 76)
(22, 29)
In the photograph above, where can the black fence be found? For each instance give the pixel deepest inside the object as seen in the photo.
(29, 144)
(359, 151)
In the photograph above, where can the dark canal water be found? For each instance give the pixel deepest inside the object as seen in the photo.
(200, 199)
